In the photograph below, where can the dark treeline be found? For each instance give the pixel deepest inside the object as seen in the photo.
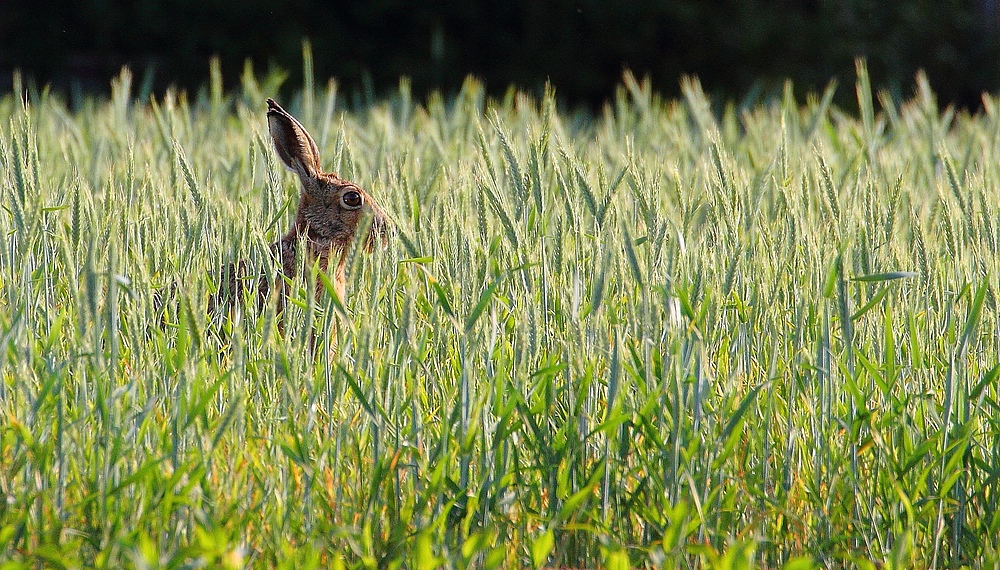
(736, 47)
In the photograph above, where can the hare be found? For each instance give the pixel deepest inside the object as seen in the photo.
(329, 213)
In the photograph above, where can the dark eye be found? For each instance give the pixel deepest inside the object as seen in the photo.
(351, 200)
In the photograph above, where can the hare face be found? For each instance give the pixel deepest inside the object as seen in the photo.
(331, 210)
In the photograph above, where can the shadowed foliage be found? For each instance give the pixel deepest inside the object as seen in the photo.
(735, 46)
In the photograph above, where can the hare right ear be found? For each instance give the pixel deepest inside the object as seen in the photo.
(294, 145)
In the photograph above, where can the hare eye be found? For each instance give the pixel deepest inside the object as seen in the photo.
(351, 200)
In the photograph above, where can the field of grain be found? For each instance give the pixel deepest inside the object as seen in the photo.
(675, 334)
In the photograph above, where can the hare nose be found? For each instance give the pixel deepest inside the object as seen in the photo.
(379, 230)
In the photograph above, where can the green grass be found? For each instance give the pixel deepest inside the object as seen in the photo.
(660, 336)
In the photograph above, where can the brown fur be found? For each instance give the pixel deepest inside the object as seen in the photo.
(329, 213)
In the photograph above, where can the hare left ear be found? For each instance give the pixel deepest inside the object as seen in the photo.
(292, 142)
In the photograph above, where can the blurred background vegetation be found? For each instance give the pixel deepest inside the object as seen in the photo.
(740, 49)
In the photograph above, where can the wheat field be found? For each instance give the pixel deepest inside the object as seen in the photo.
(674, 334)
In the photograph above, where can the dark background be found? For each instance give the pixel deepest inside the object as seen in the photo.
(737, 47)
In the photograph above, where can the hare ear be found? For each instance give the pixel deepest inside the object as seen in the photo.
(294, 145)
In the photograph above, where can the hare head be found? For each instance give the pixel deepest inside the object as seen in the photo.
(331, 209)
